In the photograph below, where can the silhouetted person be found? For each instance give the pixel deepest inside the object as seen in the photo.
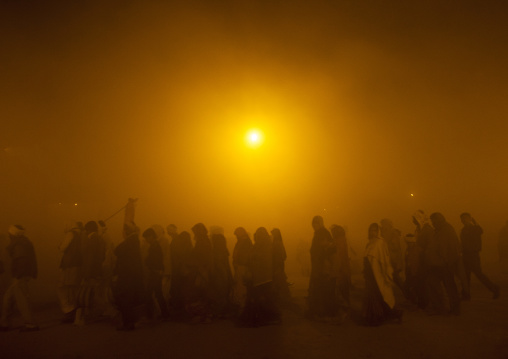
(392, 238)
(154, 269)
(379, 299)
(70, 272)
(443, 257)
(471, 243)
(423, 235)
(340, 268)
(241, 255)
(321, 284)
(165, 243)
(93, 254)
(23, 270)
(128, 287)
(280, 282)
(105, 293)
(181, 282)
(222, 277)
(201, 271)
(502, 244)
(260, 308)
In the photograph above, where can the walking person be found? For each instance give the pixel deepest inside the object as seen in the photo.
(23, 270)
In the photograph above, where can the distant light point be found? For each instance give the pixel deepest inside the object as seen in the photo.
(254, 138)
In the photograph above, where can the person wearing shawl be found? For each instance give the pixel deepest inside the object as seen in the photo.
(181, 281)
(340, 267)
(154, 268)
(165, 244)
(260, 308)
(420, 269)
(391, 235)
(23, 270)
(280, 283)
(93, 254)
(70, 266)
(321, 303)
(241, 254)
(222, 277)
(378, 273)
(128, 287)
(443, 259)
(201, 271)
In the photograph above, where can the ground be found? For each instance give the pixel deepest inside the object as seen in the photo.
(481, 331)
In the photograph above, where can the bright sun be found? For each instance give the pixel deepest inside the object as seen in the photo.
(254, 138)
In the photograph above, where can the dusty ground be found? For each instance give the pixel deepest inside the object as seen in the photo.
(481, 331)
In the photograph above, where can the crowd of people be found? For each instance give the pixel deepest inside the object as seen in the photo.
(164, 274)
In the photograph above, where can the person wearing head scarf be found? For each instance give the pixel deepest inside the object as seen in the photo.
(201, 271)
(280, 282)
(70, 276)
(443, 259)
(181, 281)
(391, 235)
(321, 299)
(222, 277)
(241, 255)
(165, 244)
(23, 270)
(128, 286)
(416, 264)
(379, 299)
(340, 267)
(260, 308)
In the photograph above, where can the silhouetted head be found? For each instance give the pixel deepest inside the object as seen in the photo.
(158, 229)
(16, 230)
(261, 236)
(276, 235)
(149, 235)
(373, 230)
(199, 229)
(317, 222)
(185, 237)
(171, 229)
(337, 231)
(91, 227)
(437, 220)
(466, 219)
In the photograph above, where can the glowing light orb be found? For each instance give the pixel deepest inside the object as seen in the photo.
(254, 138)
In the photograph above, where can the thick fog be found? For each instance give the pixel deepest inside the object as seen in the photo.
(369, 110)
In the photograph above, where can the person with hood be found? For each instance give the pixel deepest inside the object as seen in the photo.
(471, 244)
(321, 302)
(260, 308)
(442, 258)
(340, 268)
(222, 277)
(70, 272)
(391, 235)
(165, 244)
(181, 282)
(23, 270)
(280, 281)
(128, 286)
(154, 268)
(379, 300)
(241, 255)
(201, 272)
